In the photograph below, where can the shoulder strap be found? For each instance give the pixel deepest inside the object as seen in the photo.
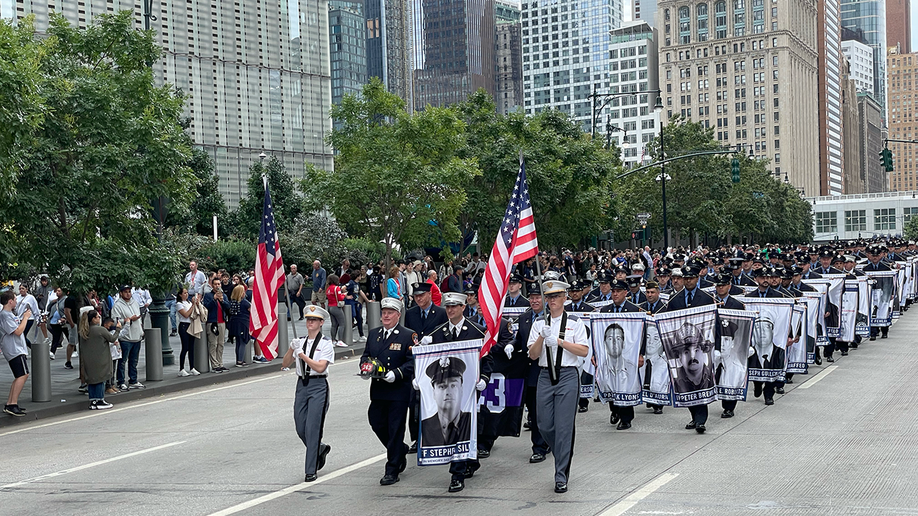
(554, 366)
(312, 353)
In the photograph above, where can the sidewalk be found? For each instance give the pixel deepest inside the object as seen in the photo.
(66, 399)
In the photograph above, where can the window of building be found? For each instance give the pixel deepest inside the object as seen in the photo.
(884, 219)
(720, 19)
(827, 222)
(907, 215)
(855, 220)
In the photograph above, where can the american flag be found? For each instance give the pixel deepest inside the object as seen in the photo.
(269, 276)
(516, 242)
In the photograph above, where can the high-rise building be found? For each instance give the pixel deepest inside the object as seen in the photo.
(828, 44)
(256, 80)
(851, 150)
(870, 17)
(899, 25)
(903, 116)
(860, 57)
(458, 51)
(871, 134)
(508, 58)
(644, 10)
(633, 61)
(566, 53)
(348, 47)
(390, 27)
(749, 71)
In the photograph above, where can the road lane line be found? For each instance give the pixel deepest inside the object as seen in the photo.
(139, 405)
(822, 374)
(298, 487)
(90, 465)
(635, 497)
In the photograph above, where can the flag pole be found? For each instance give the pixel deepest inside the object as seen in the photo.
(541, 280)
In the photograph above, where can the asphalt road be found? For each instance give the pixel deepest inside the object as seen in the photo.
(841, 441)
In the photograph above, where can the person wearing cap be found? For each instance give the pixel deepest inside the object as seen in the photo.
(414, 276)
(563, 337)
(634, 289)
(578, 305)
(390, 344)
(723, 284)
(514, 292)
(662, 277)
(603, 293)
(652, 306)
(874, 263)
(422, 318)
(524, 329)
(689, 297)
(676, 281)
(312, 355)
(127, 312)
(449, 425)
(472, 310)
(739, 278)
(622, 416)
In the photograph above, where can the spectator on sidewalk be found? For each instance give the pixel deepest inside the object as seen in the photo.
(57, 323)
(170, 304)
(393, 288)
(184, 305)
(354, 299)
(318, 284)
(96, 357)
(217, 310)
(71, 316)
(294, 285)
(195, 279)
(24, 301)
(239, 322)
(144, 300)
(335, 296)
(435, 295)
(126, 311)
(13, 347)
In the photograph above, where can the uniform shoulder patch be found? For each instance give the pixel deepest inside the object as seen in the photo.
(414, 338)
(573, 317)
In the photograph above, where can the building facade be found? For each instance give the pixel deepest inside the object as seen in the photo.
(566, 47)
(390, 45)
(871, 135)
(644, 10)
(828, 43)
(348, 48)
(903, 120)
(255, 80)
(508, 67)
(851, 149)
(899, 25)
(847, 217)
(860, 57)
(870, 17)
(747, 69)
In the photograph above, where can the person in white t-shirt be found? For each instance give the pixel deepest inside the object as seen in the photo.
(184, 305)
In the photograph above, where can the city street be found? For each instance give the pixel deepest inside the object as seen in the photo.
(841, 441)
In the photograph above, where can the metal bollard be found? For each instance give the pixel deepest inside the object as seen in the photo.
(348, 324)
(249, 350)
(373, 315)
(41, 372)
(201, 355)
(153, 346)
(283, 339)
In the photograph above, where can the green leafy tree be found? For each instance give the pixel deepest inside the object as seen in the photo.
(398, 178)
(286, 200)
(313, 237)
(197, 217)
(109, 143)
(910, 231)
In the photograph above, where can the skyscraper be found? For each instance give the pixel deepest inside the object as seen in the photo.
(903, 112)
(828, 43)
(348, 47)
(749, 71)
(851, 150)
(390, 45)
(508, 58)
(899, 25)
(644, 10)
(256, 80)
(860, 57)
(870, 17)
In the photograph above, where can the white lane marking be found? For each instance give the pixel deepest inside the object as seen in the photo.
(635, 497)
(139, 405)
(822, 374)
(90, 465)
(298, 487)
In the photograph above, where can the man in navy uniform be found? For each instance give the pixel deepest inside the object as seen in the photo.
(652, 305)
(515, 292)
(422, 318)
(874, 263)
(390, 345)
(621, 415)
(723, 284)
(578, 305)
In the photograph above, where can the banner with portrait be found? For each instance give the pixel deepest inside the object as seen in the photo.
(862, 320)
(882, 291)
(500, 406)
(797, 351)
(832, 285)
(812, 304)
(655, 373)
(617, 339)
(769, 337)
(731, 361)
(848, 319)
(899, 300)
(587, 382)
(447, 374)
(688, 338)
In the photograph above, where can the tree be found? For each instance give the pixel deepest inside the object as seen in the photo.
(397, 176)
(286, 200)
(910, 231)
(568, 174)
(197, 217)
(109, 143)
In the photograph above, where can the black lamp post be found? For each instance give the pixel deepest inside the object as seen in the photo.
(658, 108)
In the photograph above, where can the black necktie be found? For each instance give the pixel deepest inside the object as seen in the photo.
(456, 332)
(618, 309)
(423, 316)
(688, 296)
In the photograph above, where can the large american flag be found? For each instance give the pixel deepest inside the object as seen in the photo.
(516, 242)
(269, 276)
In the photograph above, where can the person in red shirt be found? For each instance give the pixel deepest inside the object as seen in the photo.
(336, 295)
(435, 294)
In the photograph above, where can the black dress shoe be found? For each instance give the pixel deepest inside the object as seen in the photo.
(537, 457)
(884, 336)
(690, 425)
(873, 337)
(817, 361)
(323, 454)
(403, 465)
(757, 390)
(560, 487)
(726, 414)
(658, 410)
(769, 401)
(613, 418)
(789, 380)
(582, 409)
(311, 477)
(388, 480)
(413, 448)
(456, 485)
(852, 345)
(779, 390)
(469, 471)
(526, 425)
(700, 429)
(830, 359)
(483, 454)
(623, 426)
(844, 353)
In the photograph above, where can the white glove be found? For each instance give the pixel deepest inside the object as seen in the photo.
(481, 385)
(751, 352)
(550, 341)
(546, 332)
(717, 358)
(390, 377)
(508, 349)
(426, 340)
(414, 383)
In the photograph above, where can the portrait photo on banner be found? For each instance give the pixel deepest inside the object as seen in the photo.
(731, 360)
(882, 290)
(655, 373)
(617, 339)
(769, 337)
(446, 376)
(688, 338)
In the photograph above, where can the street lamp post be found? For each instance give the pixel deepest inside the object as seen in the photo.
(658, 107)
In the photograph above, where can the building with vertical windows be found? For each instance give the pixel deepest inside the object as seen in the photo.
(348, 48)
(458, 51)
(903, 121)
(871, 134)
(256, 80)
(847, 217)
(751, 67)
(828, 44)
(860, 57)
(390, 45)
(870, 17)
(566, 46)
(899, 25)
(644, 10)
(851, 150)
(508, 58)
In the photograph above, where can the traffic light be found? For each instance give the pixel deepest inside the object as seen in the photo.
(734, 167)
(886, 160)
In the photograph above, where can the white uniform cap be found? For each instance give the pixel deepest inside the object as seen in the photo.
(315, 311)
(454, 299)
(391, 302)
